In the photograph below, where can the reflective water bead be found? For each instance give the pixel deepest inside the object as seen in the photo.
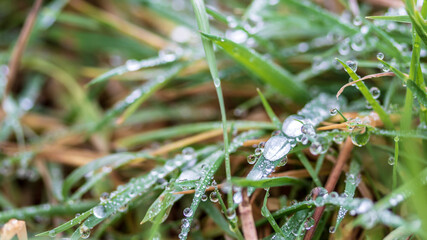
(292, 126)
(123, 208)
(236, 35)
(308, 129)
(231, 213)
(132, 65)
(84, 232)
(275, 133)
(185, 223)
(304, 140)
(261, 145)
(104, 197)
(204, 198)
(352, 65)
(52, 233)
(309, 223)
(375, 92)
(276, 148)
(338, 139)
(251, 159)
(357, 21)
(188, 212)
(333, 194)
(99, 211)
(283, 161)
(391, 160)
(258, 151)
(380, 55)
(237, 197)
(332, 229)
(213, 197)
(319, 146)
(333, 111)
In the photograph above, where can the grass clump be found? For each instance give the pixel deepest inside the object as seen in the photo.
(248, 120)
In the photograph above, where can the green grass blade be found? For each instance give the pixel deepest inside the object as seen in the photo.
(309, 168)
(217, 217)
(134, 66)
(385, 118)
(263, 68)
(266, 183)
(267, 214)
(352, 181)
(400, 18)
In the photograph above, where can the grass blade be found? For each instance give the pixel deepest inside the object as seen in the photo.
(266, 183)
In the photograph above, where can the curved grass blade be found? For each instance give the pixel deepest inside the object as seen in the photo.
(267, 214)
(309, 168)
(115, 160)
(126, 193)
(291, 228)
(267, 182)
(217, 217)
(134, 66)
(385, 118)
(263, 68)
(138, 96)
(399, 133)
(215, 161)
(182, 130)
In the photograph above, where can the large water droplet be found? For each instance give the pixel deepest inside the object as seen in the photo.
(84, 232)
(380, 55)
(375, 92)
(231, 213)
(276, 148)
(292, 126)
(99, 211)
(237, 36)
(188, 212)
(352, 65)
(213, 197)
(360, 138)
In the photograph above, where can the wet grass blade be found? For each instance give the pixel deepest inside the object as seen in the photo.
(309, 168)
(267, 214)
(138, 96)
(217, 217)
(215, 161)
(266, 182)
(385, 118)
(263, 68)
(351, 183)
(133, 66)
(400, 18)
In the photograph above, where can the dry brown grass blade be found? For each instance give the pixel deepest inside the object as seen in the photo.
(14, 227)
(248, 224)
(331, 182)
(390, 74)
(19, 48)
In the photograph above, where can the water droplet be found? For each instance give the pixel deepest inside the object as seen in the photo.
(357, 21)
(308, 129)
(391, 160)
(217, 82)
(303, 47)
(283, 161)
(332, 229)
(292, 126)
(338, 139)
(309, 223)
(276, 148)
(52, 233)
(251, 159)
(344, 47)
(213, 197)
(132, 65)
(84, 232)
(231, 213)
(261, 145)
(352, 65)
(123, 208)
(333, 195)
(319, 146)
(380, 55)
(181, 34)
(104, 197)
(304, 140)
(188, 212)
(185, 223)
(236, 35)
(99, 211)
(204, 198)
(358, 43)
(258, 151)
(375, 92)
(333, 111)
(360, 137)
(237, 197)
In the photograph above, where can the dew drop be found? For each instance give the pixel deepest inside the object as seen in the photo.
(375, 92)
(251, 159)
(217, 82)
(308, 129)
(237, 197)
(236, 35)
(332, 229)
(188, 212)
(380, 55)
(276, 148)
(357, 21)
(283, 161)
(52, 233)
(333, 111)
(231, 213)
(132, 65)
(338, 139)
(391, 161)
(99, 211)
(292, 126)
(258, 151)
(309, 223)
(352, 65)
(123, 208)
(185, 223)
(84, 232)
(213, 197)
(204, 198)
(104, 197)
